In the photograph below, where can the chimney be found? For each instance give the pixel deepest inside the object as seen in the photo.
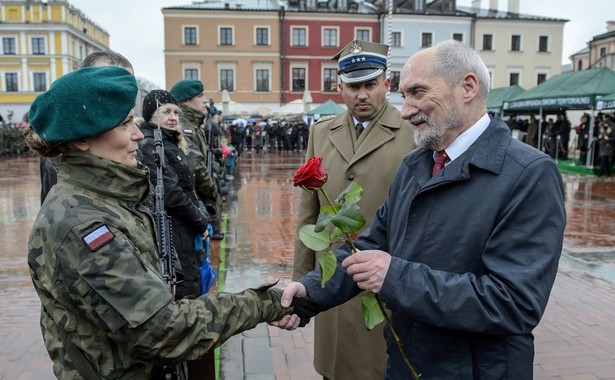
(475, 5)
(610, 26)
(493, 5)
(513, 6)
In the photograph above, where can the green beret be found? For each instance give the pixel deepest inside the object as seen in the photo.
(187, 89)
(85, 103)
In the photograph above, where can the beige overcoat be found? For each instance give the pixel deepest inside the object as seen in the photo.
(343, 348)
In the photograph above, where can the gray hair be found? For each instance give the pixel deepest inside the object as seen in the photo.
(110, 57)
(455, 59)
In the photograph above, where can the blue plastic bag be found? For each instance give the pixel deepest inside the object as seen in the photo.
(208, 274)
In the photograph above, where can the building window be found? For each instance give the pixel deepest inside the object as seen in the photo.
(363, 35)
(458, 37)
(190, 35)
(543, 43)
(226, 36)
(227, 80)
(38, 45)
(395, 81)
(426, 39)
(329, 37)
(329, 83)
(10, 81)
(40, 82)
(541, 78)
(298, 79)
(299, 37)
(602, 51)
(8, 46)
(262, 80)
(580, 65)
(515, 43)
(514, 79)
(396, 39)
(191, 74)
(487, 42)
(262, 36)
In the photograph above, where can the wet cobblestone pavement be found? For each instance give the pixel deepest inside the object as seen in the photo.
(574, 340)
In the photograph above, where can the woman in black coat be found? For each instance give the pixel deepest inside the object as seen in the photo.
(188, 215)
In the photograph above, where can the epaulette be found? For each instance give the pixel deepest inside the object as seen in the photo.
(325, 118)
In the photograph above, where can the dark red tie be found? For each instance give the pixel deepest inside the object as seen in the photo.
(441, 159)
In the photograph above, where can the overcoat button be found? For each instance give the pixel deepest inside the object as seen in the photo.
(350, 177)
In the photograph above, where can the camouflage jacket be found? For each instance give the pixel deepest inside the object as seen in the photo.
(94, 265)
(190, 122)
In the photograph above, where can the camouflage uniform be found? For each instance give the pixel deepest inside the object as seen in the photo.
(94, 264)
(206, 183)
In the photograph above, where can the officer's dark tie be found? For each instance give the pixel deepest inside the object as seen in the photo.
(441, 159)
(359, 129)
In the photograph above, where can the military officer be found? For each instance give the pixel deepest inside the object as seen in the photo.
(365, 144)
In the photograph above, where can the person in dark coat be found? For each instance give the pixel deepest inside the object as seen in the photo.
(606, 146)
(465, 258)
(188, 215)
(583, 137)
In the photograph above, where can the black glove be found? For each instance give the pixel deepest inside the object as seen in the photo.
(304, 309)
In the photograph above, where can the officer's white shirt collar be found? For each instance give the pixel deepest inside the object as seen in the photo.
(467, 138)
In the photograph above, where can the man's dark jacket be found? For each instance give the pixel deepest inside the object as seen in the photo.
(475, 253)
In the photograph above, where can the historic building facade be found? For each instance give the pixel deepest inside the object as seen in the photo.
(41, 41)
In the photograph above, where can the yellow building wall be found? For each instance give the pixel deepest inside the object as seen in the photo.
(13, 13)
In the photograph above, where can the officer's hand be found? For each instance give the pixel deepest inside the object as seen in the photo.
(368, 268)
(295, 296)
(294, 289)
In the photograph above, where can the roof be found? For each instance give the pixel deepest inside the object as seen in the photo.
(496, 97)
(604, 36)
(571, 90)
(493, 14)
(323, 6)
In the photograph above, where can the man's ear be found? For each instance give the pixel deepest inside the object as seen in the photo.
(470, 87)
(80, 145)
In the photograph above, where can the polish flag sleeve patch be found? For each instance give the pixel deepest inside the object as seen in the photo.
(97, 238)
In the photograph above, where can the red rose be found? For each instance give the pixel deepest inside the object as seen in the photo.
(310, 176)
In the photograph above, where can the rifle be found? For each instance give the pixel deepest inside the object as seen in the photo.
(163, 223)
(164, 241)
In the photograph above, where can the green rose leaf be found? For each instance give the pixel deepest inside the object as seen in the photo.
(372, 315)
(327, 264)
(351, 195)
(323, 219)
(335, 233)
(349, 219)
(316, 241)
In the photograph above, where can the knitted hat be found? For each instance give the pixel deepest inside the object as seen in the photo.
(361, 61)
(85, 103)
(149, 102)
(187, 89)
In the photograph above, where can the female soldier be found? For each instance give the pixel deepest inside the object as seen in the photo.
(188, 215)
(106, 310)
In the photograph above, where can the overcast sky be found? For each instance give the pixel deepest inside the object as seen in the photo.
(136, 26)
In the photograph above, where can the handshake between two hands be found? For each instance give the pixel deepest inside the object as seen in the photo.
(367, 268)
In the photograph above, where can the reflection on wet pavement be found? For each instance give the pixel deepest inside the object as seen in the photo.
(259, 244)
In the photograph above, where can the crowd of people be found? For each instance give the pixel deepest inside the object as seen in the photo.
(560, 140)
(268, 135)
(11, 136)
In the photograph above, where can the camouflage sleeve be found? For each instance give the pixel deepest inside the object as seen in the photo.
(197, 155)
(125, 297)
(187, 329)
